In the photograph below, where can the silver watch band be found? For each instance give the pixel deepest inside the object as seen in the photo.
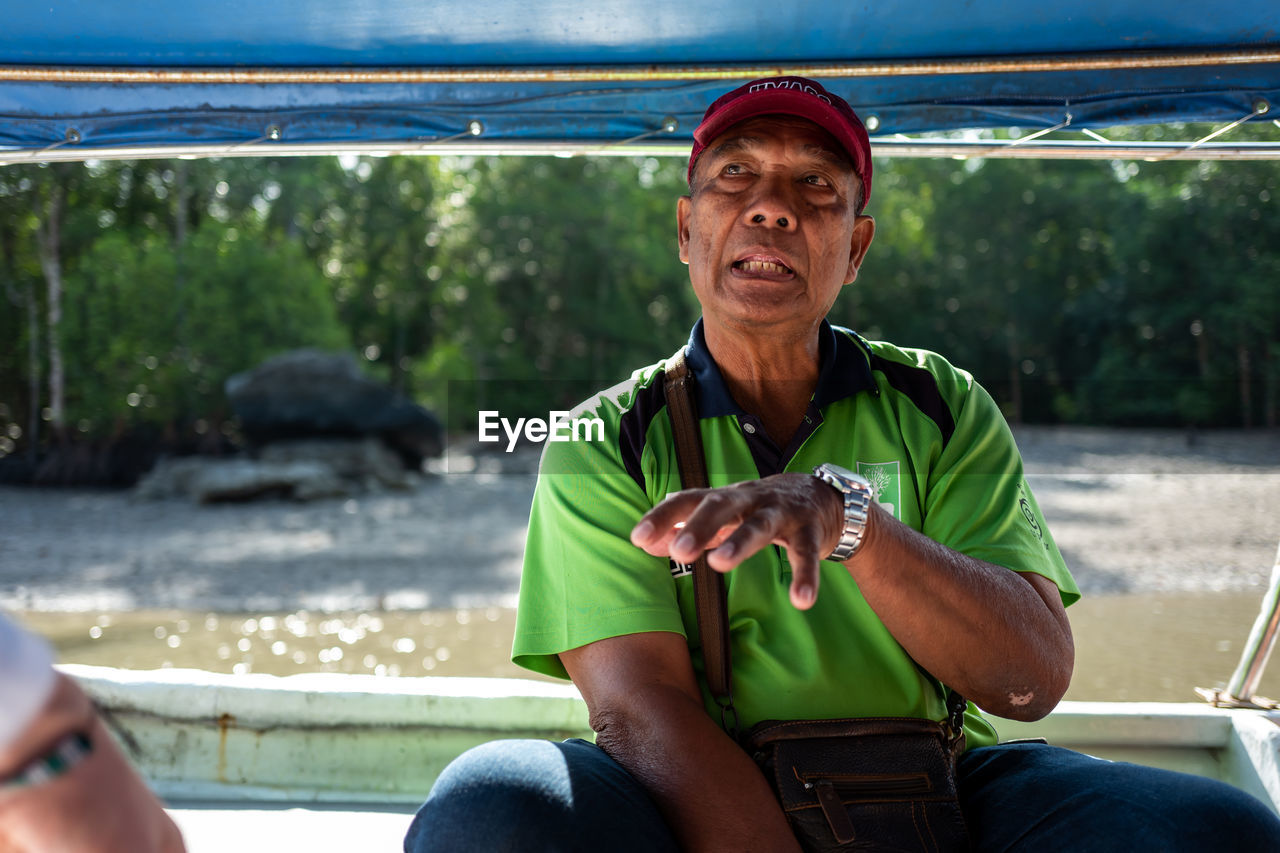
(856, 492)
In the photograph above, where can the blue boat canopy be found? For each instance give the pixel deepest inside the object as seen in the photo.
(82, 79)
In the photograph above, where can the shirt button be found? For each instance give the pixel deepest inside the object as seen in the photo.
(749, 428)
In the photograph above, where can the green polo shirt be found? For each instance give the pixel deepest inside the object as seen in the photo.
(930, 440)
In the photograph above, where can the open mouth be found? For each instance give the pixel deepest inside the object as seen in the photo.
(753, 266)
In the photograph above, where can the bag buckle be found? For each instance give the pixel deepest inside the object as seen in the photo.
(728, 715)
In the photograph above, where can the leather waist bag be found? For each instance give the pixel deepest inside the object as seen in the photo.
(883, 784)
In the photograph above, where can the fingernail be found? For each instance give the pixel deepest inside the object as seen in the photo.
(727, 550)
(684, 542)
(642, 531)
(804, 595)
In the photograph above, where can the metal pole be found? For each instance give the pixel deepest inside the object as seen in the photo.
(1262, 639)
(1239, 692)
(628, 73)
(921, 147)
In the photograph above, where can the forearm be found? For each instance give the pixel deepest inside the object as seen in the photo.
(713, 796)
(981, 629)
(646, 708)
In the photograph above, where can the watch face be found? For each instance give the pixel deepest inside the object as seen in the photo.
(844, 474)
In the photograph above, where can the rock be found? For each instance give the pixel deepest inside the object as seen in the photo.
(366, 461)
(245, 479)
(305, 469)
(170, 478)
(217, 480)
(307, 393)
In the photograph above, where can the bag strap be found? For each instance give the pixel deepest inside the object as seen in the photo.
(709, 595)
(708, 585)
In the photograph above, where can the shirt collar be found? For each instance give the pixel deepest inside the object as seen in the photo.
(845, 371)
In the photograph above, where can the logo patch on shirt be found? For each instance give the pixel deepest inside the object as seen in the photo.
(886, 484)
(1029, 515)
(680, 570)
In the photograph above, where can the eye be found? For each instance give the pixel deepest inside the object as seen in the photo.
(733, 169)
(816, 181)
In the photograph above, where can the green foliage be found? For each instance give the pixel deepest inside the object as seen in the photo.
(1087, 292)
(155, 318)
(1092, 292)
(155, 330)
(557, 277)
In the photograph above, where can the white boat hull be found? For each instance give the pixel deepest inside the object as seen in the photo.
(375, 742)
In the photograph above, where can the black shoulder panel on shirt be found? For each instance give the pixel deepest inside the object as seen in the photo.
(921, 388)
(634, 424)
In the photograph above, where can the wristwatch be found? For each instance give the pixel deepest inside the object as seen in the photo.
(856, 492)
(64, 755)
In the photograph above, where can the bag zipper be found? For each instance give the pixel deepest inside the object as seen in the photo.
(851, 787)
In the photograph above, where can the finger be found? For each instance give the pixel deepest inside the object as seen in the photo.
(755, 532)
(658, 526)
(804, 579)
(720, 509)
(657, 542)
(173, 842)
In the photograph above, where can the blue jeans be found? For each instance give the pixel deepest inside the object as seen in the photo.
(532, 795)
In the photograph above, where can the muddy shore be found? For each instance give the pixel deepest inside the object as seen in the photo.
(1132, 510)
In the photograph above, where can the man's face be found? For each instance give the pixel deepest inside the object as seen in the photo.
(770, 231)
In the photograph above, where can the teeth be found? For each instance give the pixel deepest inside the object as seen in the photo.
(764, 266)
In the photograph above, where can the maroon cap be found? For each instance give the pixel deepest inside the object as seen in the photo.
(794, 96)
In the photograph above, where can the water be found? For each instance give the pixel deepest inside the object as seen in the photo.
(390, 643)
(1160, 646)
(1134, 647)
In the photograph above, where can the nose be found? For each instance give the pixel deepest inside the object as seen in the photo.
(759, 218)
(774, 205)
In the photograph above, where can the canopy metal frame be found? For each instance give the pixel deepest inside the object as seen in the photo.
(1106, 61)
(470, 137)
(1096, 147)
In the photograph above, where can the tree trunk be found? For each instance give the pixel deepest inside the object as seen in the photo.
(1270, 386)
(33, 371)
(28, 299)
(1202, 350)
(1015, 374)
(1246, 391)
(181, 212)
(49, 239)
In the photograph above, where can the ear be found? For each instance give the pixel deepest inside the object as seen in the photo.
(684, 211)
(864, 228)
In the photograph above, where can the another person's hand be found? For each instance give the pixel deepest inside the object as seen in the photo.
(797, 511)
(98, 806)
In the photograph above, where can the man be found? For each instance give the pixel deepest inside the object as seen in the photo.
(950, 577)
(64, 785)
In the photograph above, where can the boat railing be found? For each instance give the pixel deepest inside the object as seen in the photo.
(1241, 687)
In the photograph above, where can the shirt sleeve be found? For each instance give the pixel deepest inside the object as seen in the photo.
(26, 679)
(978, 501)
(583, 580)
